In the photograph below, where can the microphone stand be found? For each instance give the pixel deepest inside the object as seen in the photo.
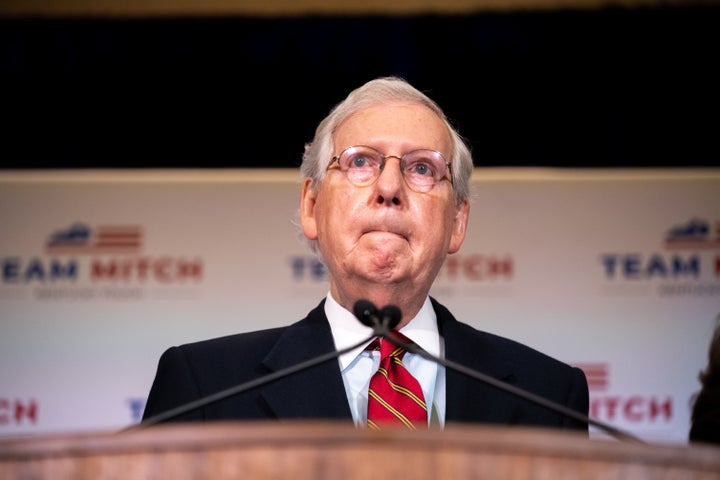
(215, 397)
(383, 327)
(391, 317)
(414, 348)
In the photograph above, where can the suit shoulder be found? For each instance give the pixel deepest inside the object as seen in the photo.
(267, 334)
(474, 342)
(245, 344)
(251, 345)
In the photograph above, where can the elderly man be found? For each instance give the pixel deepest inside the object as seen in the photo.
(385, 197)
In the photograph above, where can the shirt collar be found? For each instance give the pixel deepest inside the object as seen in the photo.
(347, 330)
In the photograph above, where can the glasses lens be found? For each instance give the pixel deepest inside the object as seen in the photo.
(423, 168)
(360, 164)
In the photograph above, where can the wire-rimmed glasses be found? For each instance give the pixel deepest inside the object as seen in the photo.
(422, 168)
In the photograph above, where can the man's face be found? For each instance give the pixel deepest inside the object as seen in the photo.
(384, 233)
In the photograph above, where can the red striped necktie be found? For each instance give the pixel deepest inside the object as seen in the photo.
(395, 397)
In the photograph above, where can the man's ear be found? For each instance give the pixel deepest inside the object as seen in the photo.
(459, 226)
(308, 198)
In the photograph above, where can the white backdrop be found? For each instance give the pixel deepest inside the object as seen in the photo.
(614, 271)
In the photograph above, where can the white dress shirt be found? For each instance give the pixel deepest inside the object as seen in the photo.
(359, 365)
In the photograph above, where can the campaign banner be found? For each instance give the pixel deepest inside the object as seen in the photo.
(617, 272)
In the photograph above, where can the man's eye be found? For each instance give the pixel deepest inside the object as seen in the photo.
(422, 169)
(359, 161)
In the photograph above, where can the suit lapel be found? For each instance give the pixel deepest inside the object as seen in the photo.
(315, 392)
(469, 399)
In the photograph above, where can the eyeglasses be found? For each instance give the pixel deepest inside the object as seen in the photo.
(422, 169)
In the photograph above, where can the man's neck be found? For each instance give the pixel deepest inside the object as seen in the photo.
(408, 300)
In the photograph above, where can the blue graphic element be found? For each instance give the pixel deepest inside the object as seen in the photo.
(137, 406)
(694, 229)
(308, 268)
(76, 234)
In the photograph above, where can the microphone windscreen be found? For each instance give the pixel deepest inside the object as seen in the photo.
(364, 310)
(392, 315)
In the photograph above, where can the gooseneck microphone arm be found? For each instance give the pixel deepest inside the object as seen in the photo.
(237, 389)
(389, 316)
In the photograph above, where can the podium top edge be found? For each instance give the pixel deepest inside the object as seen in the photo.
(514, 441)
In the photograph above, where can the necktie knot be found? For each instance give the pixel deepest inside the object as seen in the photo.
(387, 348)
(395, 396)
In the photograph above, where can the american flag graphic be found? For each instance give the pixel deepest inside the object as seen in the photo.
(81, 239)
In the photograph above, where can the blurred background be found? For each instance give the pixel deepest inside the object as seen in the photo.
(595, 226)
(237, 83)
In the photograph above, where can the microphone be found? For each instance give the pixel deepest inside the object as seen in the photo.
(366, 312)
(382, 321)
(391, 315)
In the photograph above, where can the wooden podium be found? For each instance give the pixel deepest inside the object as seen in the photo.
(321, 450)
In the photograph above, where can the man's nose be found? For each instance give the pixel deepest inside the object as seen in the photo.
(390, 183)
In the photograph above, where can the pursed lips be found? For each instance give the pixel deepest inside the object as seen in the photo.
(386, 224)
(381, 231)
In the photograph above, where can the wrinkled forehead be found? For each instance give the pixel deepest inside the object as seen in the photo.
(394, 128)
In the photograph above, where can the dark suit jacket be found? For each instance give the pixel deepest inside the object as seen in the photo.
(192, 371)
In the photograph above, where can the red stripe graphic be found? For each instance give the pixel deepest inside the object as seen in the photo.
(118, 236)
(597, 375)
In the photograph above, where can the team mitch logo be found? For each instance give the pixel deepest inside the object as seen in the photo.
(79, 238)
(694, 234)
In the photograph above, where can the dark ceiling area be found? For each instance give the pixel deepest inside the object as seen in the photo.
(603, 88)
